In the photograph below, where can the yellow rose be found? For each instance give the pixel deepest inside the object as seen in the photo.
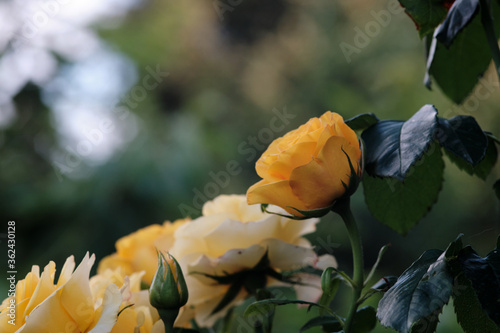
(136, 314)
(137, 251)
(41, 306)
(232, 236)
(306, 168)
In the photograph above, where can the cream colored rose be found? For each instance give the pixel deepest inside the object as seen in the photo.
(232, 236)
(42, 306)
(137, 252)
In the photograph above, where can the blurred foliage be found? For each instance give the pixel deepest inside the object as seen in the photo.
(229, 73)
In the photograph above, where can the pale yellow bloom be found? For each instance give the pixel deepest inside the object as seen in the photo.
(232, 236)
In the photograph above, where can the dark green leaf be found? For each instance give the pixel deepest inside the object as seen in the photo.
(385, 283)
(362, 121)
(483, 169)
(476, 291)
(419, 294)
(427, 15)
(401, 205)
(496, 187)
(470, 314)
(463, 137)
(392, 147)
(454, 248)
(484, 275)
(458, 68)
(331, 322)
(460, 14)
(365, 320)
(263, 306)
(427, 324)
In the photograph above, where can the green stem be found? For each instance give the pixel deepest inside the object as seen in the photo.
(343, 209)
(491, 36)
(168, 317)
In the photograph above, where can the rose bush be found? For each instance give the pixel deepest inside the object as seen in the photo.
(307, 168)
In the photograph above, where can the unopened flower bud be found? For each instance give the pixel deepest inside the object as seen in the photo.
(168, 289)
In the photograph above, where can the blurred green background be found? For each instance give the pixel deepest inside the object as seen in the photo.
(123, 115)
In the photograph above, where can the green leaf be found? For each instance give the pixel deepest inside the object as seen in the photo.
(400, 205)
(331, 323)
(330, 284)
(483, 169)
(385, 283)
(463, 137)
(392, 147)
(484, 275)
(458, 68)
(365, 320)
(462, 12)
(362, 121)
(427, 15)
(419, 294)
(476, 291)
(454, 248)
(426, 325)
(496, 187)
(470, 314)
(263, 306)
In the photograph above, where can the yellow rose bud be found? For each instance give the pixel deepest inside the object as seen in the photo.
(308, 168)
(168, 291)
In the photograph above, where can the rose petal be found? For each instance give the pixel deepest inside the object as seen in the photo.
(319, 182)
(287, 257)
(232, 261)
(235, 206)
(236, 235)
(289, 159)
(310, 288)
(109, 310)
(277, 193)
(326, 261)
(76, 297)
(44, 288)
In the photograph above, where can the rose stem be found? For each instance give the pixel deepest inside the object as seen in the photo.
(342, 207)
